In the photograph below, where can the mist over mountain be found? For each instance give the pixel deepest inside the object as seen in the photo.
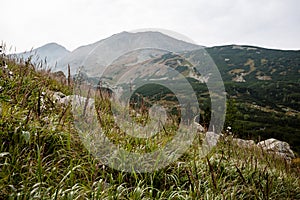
(96, 56)
(48, 54)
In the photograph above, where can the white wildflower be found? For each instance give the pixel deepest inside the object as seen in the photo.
(26, 135)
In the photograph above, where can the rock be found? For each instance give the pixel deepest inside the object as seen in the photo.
(278, 147)
(58, 96)
(198, 126)
(212, 138)
(76, 100)
(243, 143)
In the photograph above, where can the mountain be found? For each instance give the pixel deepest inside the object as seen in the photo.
(95, 57)
(49, 54)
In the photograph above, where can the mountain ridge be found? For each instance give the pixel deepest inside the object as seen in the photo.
(102, 53)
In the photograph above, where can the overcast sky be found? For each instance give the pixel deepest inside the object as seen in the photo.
(72, 23)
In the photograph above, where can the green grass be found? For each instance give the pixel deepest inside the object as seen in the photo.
(42, 157)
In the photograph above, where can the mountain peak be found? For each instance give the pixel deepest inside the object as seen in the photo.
(154, 34)
(95, 57)
(53, 45)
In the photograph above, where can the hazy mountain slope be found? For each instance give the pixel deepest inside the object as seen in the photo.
(95, 57)
(48, 54)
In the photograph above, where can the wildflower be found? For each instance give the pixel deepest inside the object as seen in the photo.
(26, 135)
(10, 73)
(228, 130)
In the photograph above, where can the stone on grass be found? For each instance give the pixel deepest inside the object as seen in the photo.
(277, 147)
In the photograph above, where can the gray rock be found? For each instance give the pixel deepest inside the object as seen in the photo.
(278, 147)
(77, 100)
(57, 96)
(212, 138)
(198, 126)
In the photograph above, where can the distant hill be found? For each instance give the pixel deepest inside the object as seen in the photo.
(96, 56)
(49, 54)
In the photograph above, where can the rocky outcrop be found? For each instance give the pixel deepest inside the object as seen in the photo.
(277, 147)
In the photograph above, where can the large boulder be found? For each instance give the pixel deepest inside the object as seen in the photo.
(277, 147)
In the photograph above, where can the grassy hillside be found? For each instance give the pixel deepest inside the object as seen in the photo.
(42, 157)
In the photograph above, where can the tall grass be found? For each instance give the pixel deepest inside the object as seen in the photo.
(42, 157)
